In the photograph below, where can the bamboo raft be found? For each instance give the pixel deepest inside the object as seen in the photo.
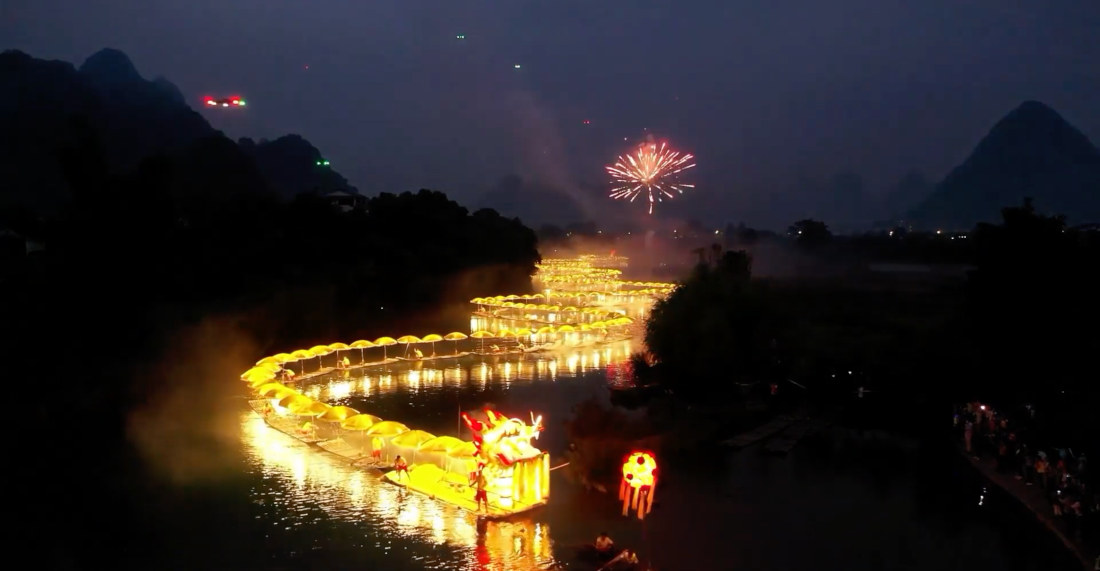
(759, 433)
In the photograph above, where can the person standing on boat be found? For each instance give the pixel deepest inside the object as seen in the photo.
(401, 467)
(604, 545)
(376, 448)
(481, 496)
(346, 362)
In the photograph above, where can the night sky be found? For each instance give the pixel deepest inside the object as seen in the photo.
(763, 92)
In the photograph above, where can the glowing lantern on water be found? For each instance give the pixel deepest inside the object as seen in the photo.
(638, 483)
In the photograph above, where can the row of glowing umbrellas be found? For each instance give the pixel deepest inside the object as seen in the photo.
(318, 351)
(350, 419)
(268, 368)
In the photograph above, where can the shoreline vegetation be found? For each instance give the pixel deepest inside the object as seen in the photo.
(1003, 332)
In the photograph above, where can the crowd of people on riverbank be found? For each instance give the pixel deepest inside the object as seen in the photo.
(1061, 473)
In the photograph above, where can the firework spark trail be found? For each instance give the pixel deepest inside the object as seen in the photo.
(653, 169)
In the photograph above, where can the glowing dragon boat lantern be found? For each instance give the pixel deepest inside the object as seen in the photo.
(638, 483)
(517, 471)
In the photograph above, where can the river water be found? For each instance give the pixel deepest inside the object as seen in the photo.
(845, 500)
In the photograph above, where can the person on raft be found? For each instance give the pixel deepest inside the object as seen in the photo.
(627, 557)
(401, 466)
(481, 496)
(604, 544)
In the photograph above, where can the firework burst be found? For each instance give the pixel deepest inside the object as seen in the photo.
(653, 169)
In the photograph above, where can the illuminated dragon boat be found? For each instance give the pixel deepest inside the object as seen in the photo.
(500, 465)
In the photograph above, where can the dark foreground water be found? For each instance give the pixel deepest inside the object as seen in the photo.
(845, 500)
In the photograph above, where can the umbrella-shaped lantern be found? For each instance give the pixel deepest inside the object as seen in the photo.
(462, 450)
(273, 367)
(362, 345)
(338, 414)
(278, 359)
(387, 428)
(320, 351)
(337, 347)
(455, 336)
(313, 409)
(272, 360)
(481, 335)
(412, 438)
(274, 390)
(408, 340)
(257, 376)
(301, 355)
(295, 401)
(385, 342)
(432, 338)
(359, 422)
(440, 444)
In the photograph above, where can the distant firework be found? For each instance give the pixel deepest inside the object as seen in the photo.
(652, 169)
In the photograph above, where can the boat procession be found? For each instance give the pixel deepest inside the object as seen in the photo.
(492, 466)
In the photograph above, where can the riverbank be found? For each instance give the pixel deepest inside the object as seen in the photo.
(1031, 497)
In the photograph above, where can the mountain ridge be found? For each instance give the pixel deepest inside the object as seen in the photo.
(42, 102)
(1030, 152)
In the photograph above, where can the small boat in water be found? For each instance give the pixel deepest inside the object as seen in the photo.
(634, 395)
(614, 559)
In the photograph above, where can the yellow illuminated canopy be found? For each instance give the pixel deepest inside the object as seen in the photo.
(274, 390)
(431, 338)
(408, 339)
(360, 422)
(440, 444)
(412, 438)
(314, 409)
(387, 428)
(463, 450)
(256, 372)
(361, 344)
(273, 360)
(338, 413)
(385, 341)
(455, 336)
(295, 401)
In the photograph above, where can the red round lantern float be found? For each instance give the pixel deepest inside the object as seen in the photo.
(638, 483)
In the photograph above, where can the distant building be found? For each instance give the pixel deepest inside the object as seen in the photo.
(346, 201)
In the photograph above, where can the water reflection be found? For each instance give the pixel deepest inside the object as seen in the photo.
(479, 372)
(300, 480)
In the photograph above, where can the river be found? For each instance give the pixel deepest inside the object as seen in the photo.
(846, 500)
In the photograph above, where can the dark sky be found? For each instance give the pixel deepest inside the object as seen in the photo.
(763, 92)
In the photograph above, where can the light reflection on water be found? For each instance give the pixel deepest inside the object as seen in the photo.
(302, 484)
(478, 372)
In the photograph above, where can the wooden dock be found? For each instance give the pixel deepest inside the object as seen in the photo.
(759, 433)
(1033, 498)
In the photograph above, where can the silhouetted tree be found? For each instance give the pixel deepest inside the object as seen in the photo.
(809, 232)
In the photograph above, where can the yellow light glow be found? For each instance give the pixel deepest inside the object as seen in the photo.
(583, 319)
